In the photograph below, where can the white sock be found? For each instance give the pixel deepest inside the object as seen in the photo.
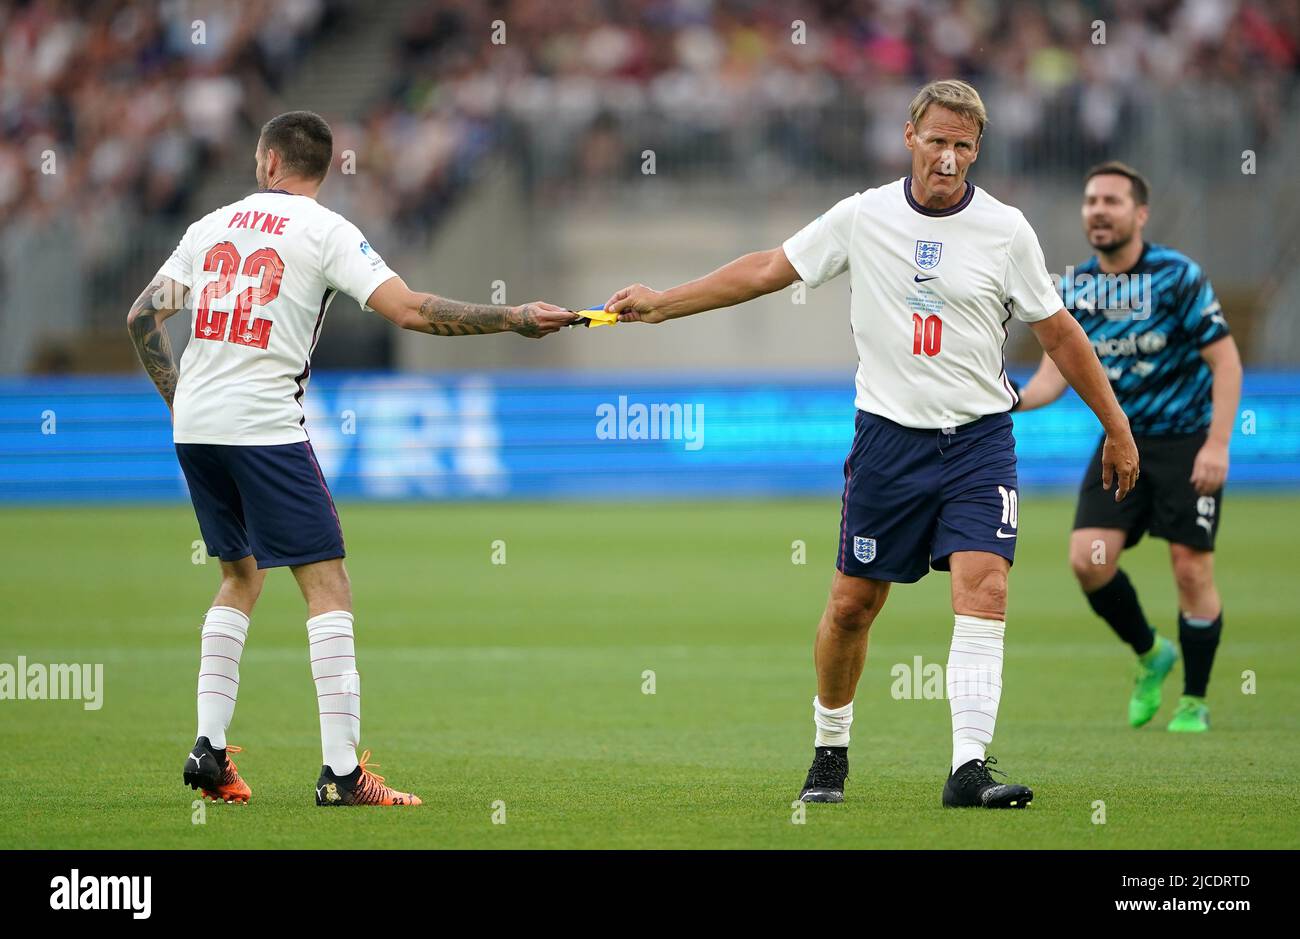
(338, 688)
(832, 724)
(225, 630)
(974, 684)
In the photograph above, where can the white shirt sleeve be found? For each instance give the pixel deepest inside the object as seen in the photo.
(820, 250)
(180, 266)
(350, 264)
(1028, 287)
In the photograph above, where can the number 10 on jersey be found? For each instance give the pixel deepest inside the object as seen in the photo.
(927, 334)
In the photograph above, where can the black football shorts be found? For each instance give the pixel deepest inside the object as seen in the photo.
(1163, 502)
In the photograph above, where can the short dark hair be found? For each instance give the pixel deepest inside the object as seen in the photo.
(1141, 189)
(303, 140)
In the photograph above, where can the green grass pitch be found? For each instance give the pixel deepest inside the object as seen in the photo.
(522, 684)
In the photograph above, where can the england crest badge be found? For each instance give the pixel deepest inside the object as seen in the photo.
(927, 254)
(864, 549)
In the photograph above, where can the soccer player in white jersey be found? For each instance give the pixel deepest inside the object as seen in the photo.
(937, 268)
(260, 275)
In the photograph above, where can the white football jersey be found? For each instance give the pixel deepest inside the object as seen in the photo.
(931, 295)
(262, 273)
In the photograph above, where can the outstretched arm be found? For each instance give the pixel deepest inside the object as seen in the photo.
(1046, 385)
(1065, 342)
(755, 274)
(439, 316)
(159, 300)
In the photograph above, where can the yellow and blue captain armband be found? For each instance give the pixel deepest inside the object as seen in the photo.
(596, 316)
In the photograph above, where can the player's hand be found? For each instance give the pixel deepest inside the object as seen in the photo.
(1119, 458)
(636, 304)
(538, 319)
(1210, 468)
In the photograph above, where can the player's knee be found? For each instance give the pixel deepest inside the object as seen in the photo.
(335, 591)
(1093, 559)
(241, 584)
(243, 575)
(985, 592)
(1193, 572)
(247, 587)
(851, 617)
(343, 584)
(325, 586)
(1090, 572)
(856, 611)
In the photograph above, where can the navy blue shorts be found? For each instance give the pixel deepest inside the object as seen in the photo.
(270, 502)
(913, 497)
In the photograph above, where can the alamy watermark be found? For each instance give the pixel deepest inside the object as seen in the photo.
(918, 680)
(656, 421)
(78, 891)
(56, 682)
(1115, 296)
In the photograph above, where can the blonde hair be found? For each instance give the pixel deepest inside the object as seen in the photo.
(954, 95)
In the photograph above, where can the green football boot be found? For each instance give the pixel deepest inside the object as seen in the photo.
(1192, 716)
(1153, 667)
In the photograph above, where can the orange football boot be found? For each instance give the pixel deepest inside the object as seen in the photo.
(218, 779)
(359, 787)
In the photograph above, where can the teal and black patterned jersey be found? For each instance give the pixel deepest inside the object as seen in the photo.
(1148, 326)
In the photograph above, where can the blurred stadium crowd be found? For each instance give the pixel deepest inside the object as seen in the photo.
(137, 109)
(112, 112)
(821, 87)
(134, 100)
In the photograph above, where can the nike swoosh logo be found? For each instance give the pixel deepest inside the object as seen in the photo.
(920, 280)
(1002, 534)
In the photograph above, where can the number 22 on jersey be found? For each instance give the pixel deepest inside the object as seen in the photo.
(245, 328)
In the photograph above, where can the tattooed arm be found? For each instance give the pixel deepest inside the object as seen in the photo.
(438, 316)
(159, 300)
(443, 317)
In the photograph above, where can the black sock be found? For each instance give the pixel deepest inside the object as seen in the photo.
(1199, 641)
(1117, 603)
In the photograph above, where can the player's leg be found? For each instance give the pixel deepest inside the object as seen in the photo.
(219, 509)
(241, 585)
(1189, 521)
(975, 538)
(1094, 559)
(225, 631)
(1200, 624)
(839, 654)
(328, 592)
(974, 681)
(885, 529)
(292, 523)
(344, 780)
(840, 648)
(1103, 528)
(974, 675)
